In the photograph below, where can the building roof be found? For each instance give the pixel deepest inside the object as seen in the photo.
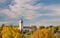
(27, 27)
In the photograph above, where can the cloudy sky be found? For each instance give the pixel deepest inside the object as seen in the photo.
(36, 12)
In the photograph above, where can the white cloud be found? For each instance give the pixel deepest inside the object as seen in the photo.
(22, 9)
(3, 23)
(51, 20)
(2, 1)
(8, 13)
(39, 23)
(47, 22)
(54, 8)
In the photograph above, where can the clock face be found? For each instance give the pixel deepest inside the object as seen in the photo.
(21, 21)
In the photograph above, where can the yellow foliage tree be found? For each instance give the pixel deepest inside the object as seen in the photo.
(42, 33)
(10, 32)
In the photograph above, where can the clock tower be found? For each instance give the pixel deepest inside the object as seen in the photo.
(21, 24)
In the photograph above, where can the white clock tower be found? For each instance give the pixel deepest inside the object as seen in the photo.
(21, 24)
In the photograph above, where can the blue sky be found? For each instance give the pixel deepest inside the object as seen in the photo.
(33, 12)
